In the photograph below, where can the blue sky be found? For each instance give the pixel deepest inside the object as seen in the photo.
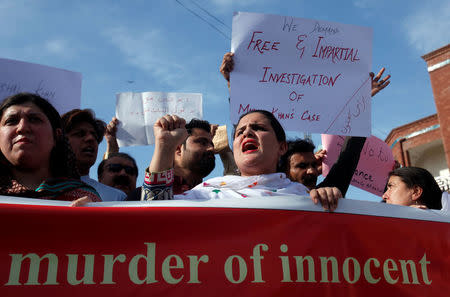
(161, 46)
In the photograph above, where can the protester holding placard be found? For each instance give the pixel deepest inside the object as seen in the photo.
(413, 186)
(85, 132)
(300, 164)
(36, 160)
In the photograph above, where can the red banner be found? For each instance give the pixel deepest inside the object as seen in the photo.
(191, 251)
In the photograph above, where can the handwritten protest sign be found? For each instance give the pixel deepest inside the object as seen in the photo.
(375, 162)
(312, 75)
(138, 112)
(61, 87)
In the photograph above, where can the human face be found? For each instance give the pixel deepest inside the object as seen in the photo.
(116, 174)
(197, 154)
(255, 147)
(398, 192)
(26, 136)
(303, 169)
(82, 139)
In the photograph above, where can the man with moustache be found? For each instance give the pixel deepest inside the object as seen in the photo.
(119, 171)
(183, 156)
(301, 165)
(84, 133)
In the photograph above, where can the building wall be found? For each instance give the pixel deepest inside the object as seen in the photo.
(401, 146)
(426, 142)
(440, 83)
(432, 158)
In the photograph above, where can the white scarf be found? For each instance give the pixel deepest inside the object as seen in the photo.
(232, 186)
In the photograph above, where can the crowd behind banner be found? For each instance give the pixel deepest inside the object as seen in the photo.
(48, 156)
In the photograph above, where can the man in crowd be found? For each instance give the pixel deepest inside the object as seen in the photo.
(85, 132)
(183, 156)
(119, 171)
(301, 165)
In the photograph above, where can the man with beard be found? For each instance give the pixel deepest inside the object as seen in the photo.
(84, 133)
(301, 165)
(118, 171)
(183, 156)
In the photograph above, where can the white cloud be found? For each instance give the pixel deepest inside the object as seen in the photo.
(429, 27)
(149, 52)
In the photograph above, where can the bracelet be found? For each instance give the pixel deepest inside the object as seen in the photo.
(159, 178)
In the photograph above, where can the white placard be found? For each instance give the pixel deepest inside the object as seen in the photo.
(312, 75)
(62, 88)
(138, 112)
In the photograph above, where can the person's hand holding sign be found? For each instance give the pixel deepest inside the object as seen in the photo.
(111, 138)
(320, 155)
(227, 66)
(377, 83)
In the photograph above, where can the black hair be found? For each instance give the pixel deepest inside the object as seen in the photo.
(415, 176)
(276, 126)
(75, 116)
(101, 166)
(62, 159)
(196, 123)
(295, 146)
(200, 124)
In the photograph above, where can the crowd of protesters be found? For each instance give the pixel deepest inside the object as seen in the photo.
(48, 156)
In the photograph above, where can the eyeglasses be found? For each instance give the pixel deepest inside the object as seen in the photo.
(118, 167)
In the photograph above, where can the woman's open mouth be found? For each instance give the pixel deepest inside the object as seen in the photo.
(249, 146)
